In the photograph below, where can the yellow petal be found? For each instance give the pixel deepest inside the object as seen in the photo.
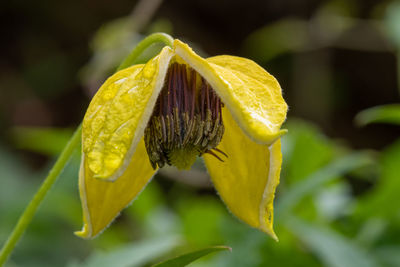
(252, 95)
(247, 179)
(118, 114)
(103, 200)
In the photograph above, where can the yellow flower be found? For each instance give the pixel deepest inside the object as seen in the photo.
(172, 109)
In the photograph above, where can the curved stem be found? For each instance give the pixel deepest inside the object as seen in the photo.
(62, 160)
(30, 210)
(143, 45)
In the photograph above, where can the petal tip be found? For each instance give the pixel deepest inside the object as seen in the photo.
(269, 231)
(276, 136)
(282, 132)
(274, 237)
(267, 139)
(80, 234)
(84, 233)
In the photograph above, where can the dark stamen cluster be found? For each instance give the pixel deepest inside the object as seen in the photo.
(186, 121)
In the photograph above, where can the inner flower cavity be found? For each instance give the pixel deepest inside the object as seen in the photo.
(186, 121)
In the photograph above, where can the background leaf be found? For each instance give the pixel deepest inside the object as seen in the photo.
(332, 248)
(185, 259)
(47, 141)
(315, 180)
(381, 114)
(379, 201)
(131, 255)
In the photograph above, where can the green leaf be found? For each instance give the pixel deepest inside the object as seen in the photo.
(131, 255)
(48, 141)
(332, 248)
(379, 202)
(185, 259)
(313, 182)
(380, 114)
(266, 43)
(306, 150)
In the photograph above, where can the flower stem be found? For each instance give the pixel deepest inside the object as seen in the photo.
(32, 207)
(143, 45)
(62, 160)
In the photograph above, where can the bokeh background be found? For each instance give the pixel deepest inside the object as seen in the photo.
(338, 202)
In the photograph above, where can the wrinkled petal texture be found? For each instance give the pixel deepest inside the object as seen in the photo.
(252, 95)
(117, 116)
(247, 179)
(102, 200)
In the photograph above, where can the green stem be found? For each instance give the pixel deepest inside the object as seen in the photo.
(143, 45)
(32, 207)
(62, 160)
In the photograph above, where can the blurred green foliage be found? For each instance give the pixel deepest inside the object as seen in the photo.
(319, 220)
(336, 205)
(381, 114)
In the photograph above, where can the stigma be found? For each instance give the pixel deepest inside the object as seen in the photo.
(186, 121)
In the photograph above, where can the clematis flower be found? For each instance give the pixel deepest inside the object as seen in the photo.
(174, 108)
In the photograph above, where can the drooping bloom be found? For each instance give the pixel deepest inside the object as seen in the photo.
(174, 108)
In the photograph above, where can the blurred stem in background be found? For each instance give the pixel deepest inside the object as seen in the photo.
(113, 41)
(65, 155)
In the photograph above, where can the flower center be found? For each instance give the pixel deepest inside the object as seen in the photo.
(186, 121)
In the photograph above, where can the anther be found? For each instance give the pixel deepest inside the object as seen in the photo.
(186, 121)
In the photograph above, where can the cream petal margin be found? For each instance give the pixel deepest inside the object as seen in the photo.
(102, 200)
(116, 118)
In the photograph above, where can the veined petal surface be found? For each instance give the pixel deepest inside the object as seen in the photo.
(247, 179)
(252, 95)
(117, 116)
(103, 200)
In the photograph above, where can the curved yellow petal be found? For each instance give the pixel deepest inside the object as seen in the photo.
(103, 200)
(117, 116)
(252, 95)
(247, 179)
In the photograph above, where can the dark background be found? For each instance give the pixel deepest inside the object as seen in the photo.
(45, 45)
